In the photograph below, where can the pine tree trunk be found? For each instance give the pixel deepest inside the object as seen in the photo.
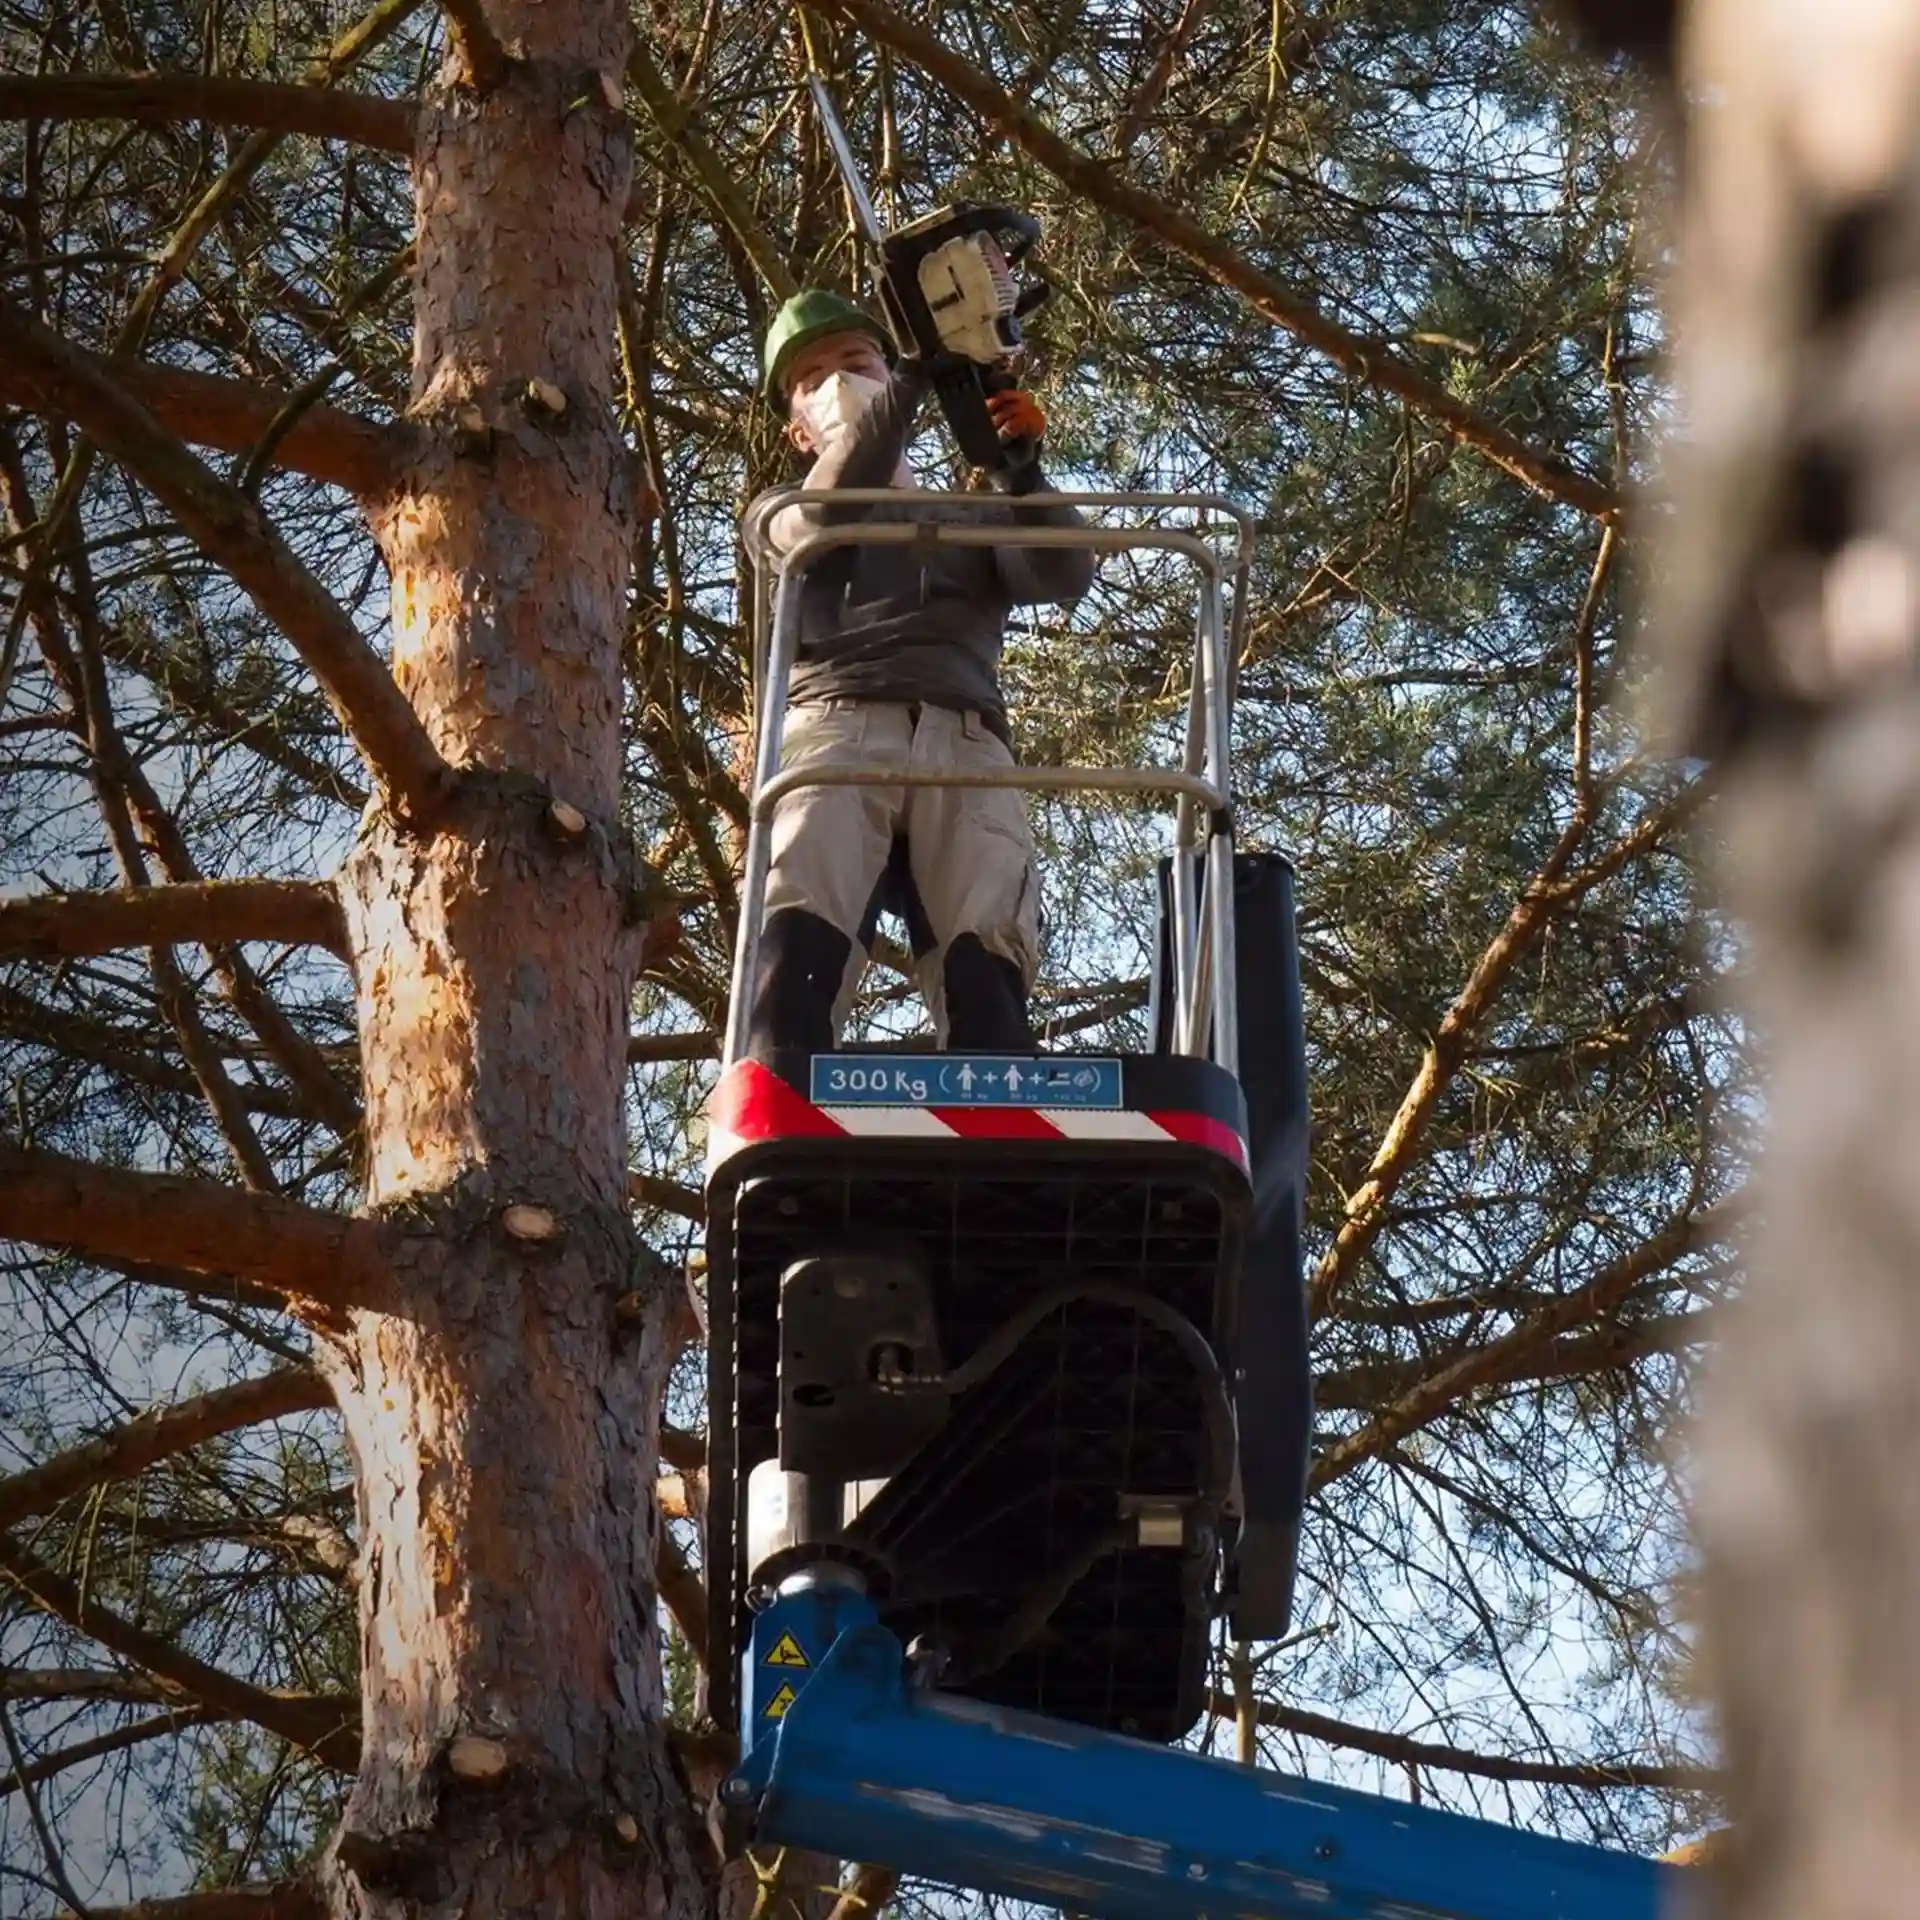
(503, 1417)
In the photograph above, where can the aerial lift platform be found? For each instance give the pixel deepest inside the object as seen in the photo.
(1009, 1399)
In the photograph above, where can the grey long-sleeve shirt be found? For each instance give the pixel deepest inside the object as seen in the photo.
(914, 623)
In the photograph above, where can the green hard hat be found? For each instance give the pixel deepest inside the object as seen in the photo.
(811, 315)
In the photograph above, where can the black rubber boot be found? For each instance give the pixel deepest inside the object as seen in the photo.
(803, 960)
(986, 1000)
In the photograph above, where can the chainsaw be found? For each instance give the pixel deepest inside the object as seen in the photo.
(947, 290)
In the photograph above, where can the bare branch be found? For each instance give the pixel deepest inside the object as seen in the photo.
(118, 1214)
(21, 1777)
(157, 99)
(1396, 1747)
(68, 926)
(135, 1733)
(78, 1683)
(296, 1900)
(235, 415)
(1371, 361)
(653, 1190)
(1147, 100)
(647, 1049)
(1602, 1349)
(317, 1724)
(234, 534)
(680, 1587)
(157, 1435)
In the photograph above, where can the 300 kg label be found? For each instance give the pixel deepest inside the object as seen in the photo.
(963, 1080)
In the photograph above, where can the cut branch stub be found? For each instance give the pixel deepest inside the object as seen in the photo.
(531, 1223)
(473, 435)
(158, 99)
(476, 1756)
(486, 60)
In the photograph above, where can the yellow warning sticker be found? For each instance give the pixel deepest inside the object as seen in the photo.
(776, 1708)
(787, 1652)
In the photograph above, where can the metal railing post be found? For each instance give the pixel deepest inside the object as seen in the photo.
(770, 735)
(1226, 999)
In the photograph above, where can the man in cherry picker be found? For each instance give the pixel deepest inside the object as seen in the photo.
(898, 650)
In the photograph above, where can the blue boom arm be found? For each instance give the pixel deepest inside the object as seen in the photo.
(845, 1754)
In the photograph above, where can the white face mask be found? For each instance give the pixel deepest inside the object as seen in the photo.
(836, 403)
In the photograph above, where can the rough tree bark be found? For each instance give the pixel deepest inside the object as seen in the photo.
(503, 1412)
(1789, 629)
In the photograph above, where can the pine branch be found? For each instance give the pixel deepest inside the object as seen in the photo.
(1603, 1349)
(232, 532)
(672, 116)
(324, 1727)
(120, 1050)
(115, 1213)
(359, 40)
(290, 1050)
(1372, 361)
(1551, 891)
(189, 688)
(1448, 1385)
(70, 926)
(157, 1435)
(1402, 1751)
(115, 776)
(159, 99)
(1545, 894)
(233, 416)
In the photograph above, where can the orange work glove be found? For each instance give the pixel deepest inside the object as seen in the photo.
(1016, 415)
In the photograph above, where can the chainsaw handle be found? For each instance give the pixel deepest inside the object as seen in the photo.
(1017, 233)
(1019, 458)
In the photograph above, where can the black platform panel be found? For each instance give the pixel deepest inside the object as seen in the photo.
(1019, 1492)
(1274, 1396)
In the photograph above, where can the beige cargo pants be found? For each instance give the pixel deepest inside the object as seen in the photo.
(970, 850)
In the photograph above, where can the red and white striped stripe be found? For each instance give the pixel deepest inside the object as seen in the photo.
(752, 1103)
